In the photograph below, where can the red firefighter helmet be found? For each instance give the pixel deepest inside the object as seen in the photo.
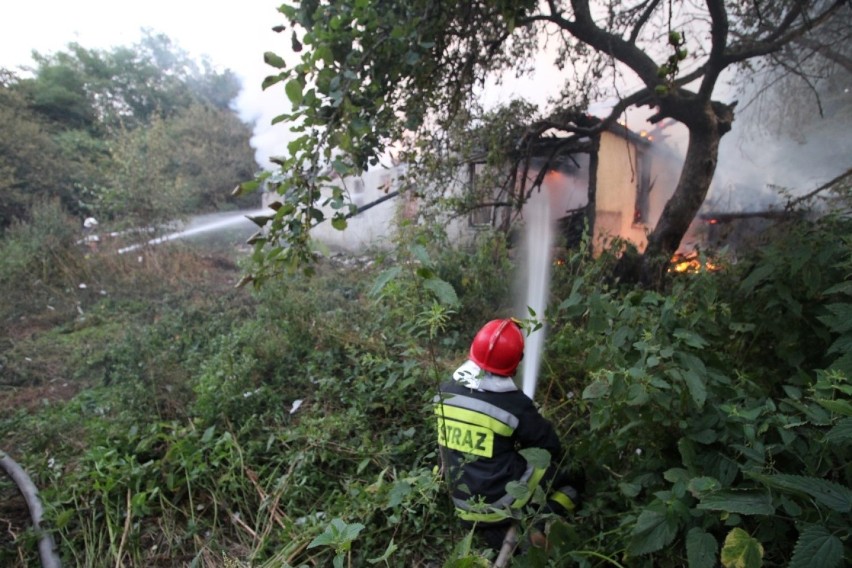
(498, 347)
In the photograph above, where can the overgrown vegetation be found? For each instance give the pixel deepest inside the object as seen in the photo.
(291, 426)
(133, 136)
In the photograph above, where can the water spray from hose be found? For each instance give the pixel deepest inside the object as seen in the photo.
(538, 241)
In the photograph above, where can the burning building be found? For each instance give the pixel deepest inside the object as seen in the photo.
(617, 182)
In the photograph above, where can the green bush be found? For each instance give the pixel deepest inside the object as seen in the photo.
(40, 262)
(713, 419)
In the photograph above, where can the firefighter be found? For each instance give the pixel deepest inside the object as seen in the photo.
(483, 422)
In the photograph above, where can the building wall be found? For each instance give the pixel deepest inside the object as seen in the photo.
(620, 176)
(616, 191)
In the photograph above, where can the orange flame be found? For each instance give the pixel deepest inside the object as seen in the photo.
(691, 263)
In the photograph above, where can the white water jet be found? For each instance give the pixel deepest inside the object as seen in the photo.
(538, 242)
(197, 227)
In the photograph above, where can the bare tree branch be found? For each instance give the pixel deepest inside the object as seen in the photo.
(643, 19)
(785, 24)
(719, 37)
(820, 189)
(751, 47)
(827, 52)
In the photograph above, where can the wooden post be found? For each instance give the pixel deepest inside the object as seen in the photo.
(510, 542)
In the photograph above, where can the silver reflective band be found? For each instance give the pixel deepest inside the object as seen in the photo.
(470, 403)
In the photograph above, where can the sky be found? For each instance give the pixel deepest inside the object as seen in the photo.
(236, 37)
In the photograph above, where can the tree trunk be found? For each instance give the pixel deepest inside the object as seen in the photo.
(709, 122)
(592, 205)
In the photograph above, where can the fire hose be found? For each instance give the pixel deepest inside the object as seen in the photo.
(46, 545)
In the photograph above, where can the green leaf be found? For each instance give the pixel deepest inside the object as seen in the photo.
(272, 80)
(690, 338)
(757, 276)
(691, 362)
(350, 532)
(338, 534)
(461, 556)
(259, 220)
(391, 548)
(425, 273)
(696, 386)
(397, 494)
(208, 435)
(620, 336)
(699, 486)
(833, 495)
(842, 432)
(247, 187)
(274, 60)
(340, 167)
(383, 280)
(324, 539)
(443, 290)
(840, 320)
(419, 252)
(575, 297)
(597, 389)
(316, 214)
(741, 502)
(293, 88)
(655, 528)
(841, 407)
(706, 437)
(637, 395)
(817, 547)
(519, 491)
(842, 344)
(701, 548)
(741, 550)
(536, 457)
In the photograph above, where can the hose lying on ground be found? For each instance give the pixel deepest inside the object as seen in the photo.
(46, 545)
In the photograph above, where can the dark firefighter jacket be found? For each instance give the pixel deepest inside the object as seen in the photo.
(480, 433)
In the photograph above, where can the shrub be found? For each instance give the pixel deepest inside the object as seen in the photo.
(40, 262)
(714, 419)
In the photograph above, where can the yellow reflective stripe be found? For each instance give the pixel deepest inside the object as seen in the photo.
(563, 500)
(472, 417)
(532, 483)
(488, 514)
(482, 517)
(466, 438)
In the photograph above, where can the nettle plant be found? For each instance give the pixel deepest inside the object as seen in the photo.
(718, 414)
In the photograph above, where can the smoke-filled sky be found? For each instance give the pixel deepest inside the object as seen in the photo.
(235, 36)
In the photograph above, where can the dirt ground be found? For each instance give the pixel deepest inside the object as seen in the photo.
(17, 547)
(45, 379)
(204, 274)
